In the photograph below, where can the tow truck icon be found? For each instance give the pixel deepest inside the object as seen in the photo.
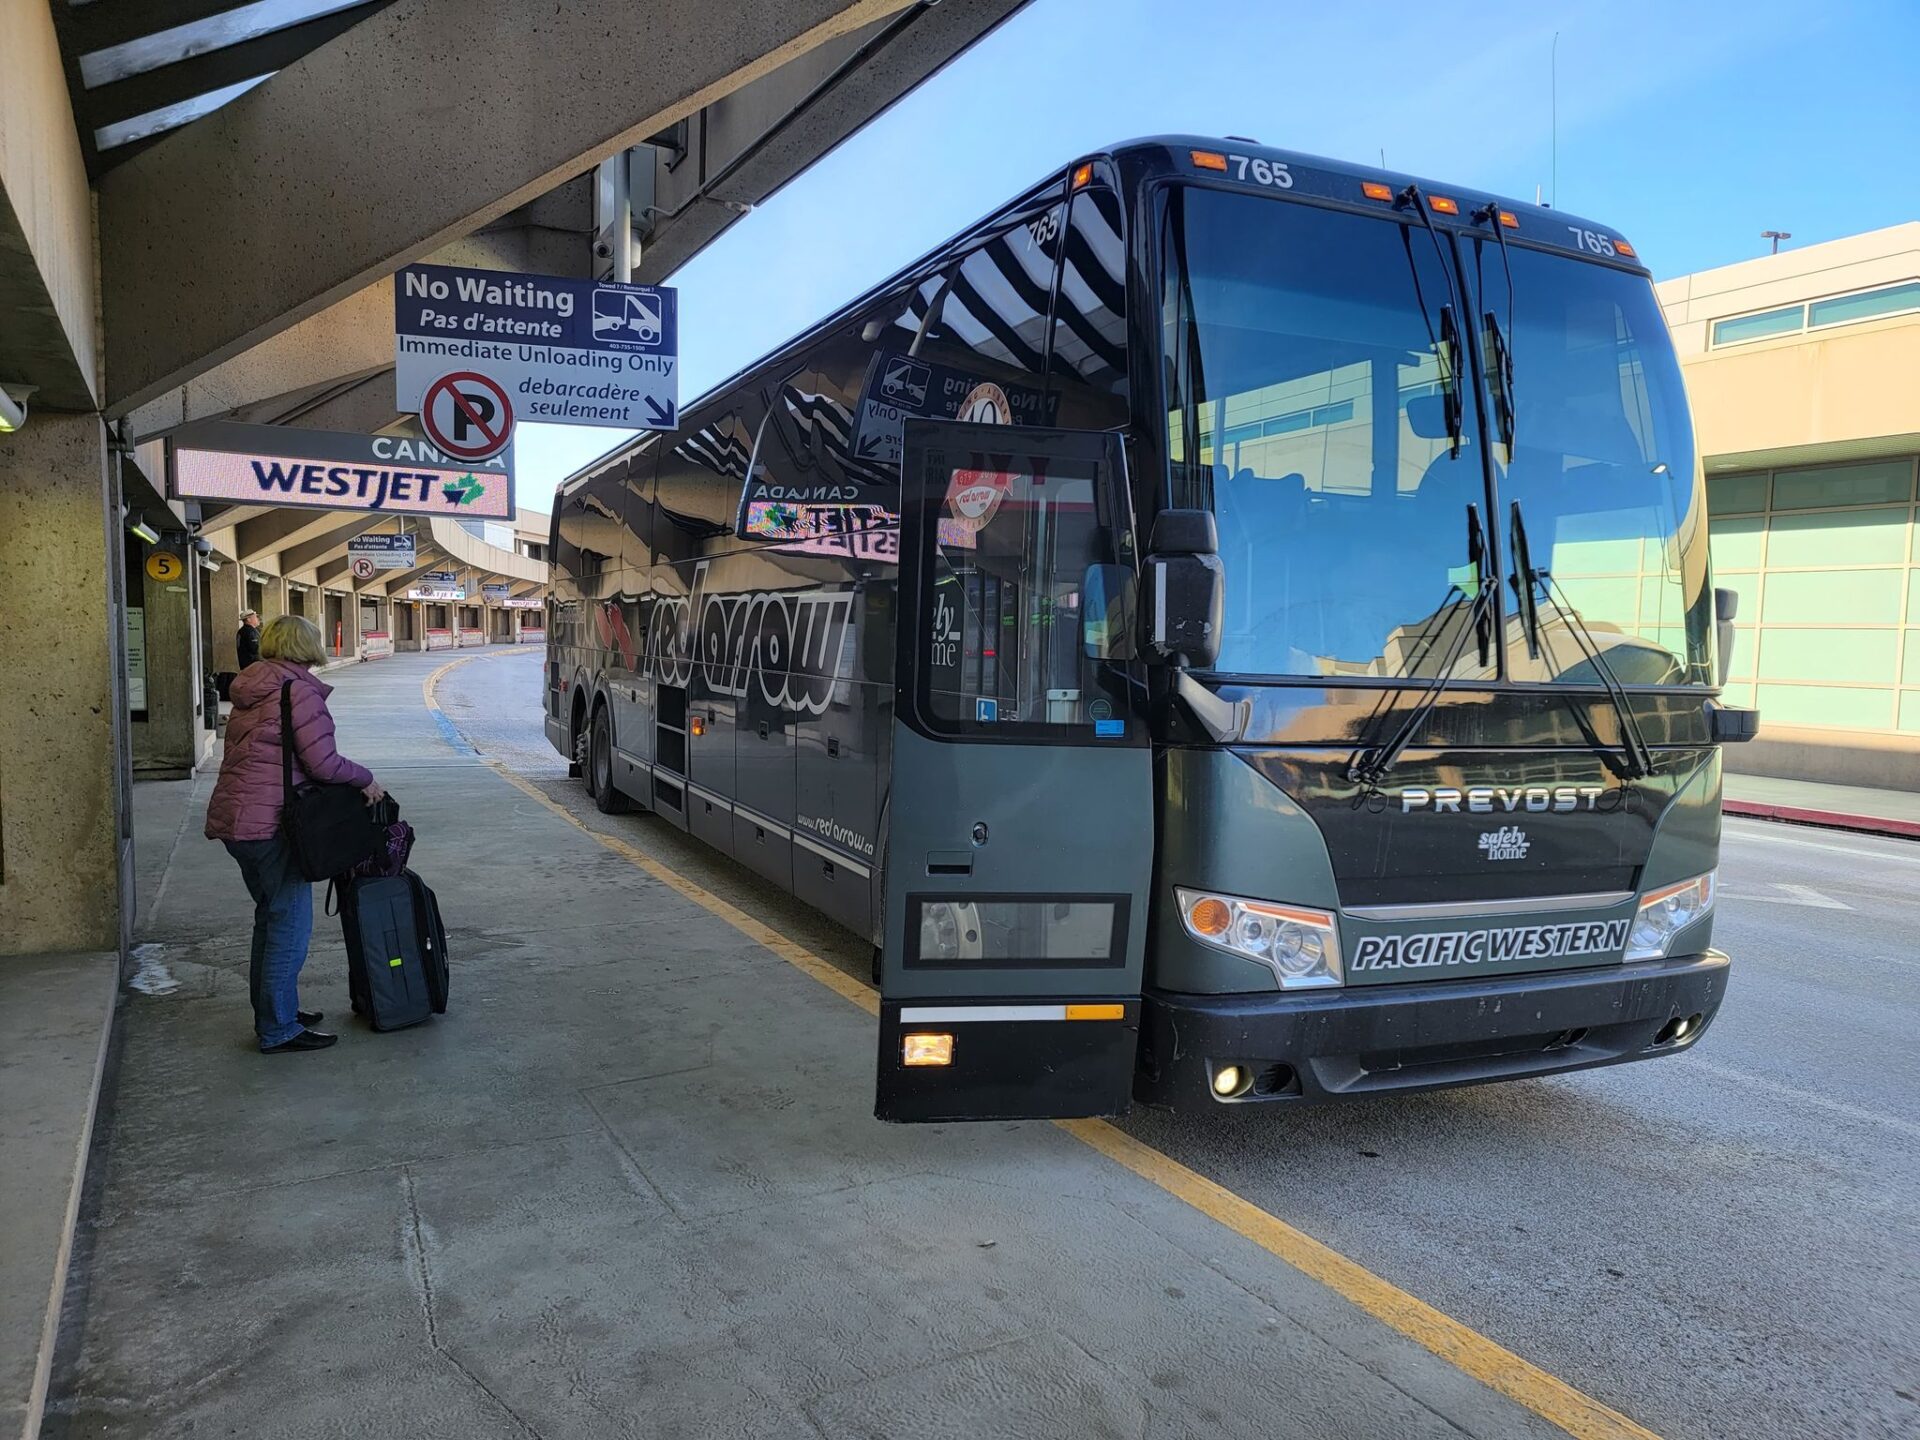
(621, 315)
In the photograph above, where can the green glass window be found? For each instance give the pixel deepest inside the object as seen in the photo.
(1867, 306)
(1910, 710)
(1735, 544)
(1880, 482)
(1825, 705)
(1742, 662)
(1850, 537)
(1758, 327)
(1736, 494)
(1834, 597)
(1859, 656)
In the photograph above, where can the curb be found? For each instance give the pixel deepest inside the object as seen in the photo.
(1827, 819)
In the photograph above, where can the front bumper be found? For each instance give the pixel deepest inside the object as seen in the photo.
(1324, 1045)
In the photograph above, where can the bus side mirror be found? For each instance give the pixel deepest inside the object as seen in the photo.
(1186, 587)
(1106, 612)
(1726, 605)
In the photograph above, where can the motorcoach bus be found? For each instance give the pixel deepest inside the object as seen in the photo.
(1231, 627)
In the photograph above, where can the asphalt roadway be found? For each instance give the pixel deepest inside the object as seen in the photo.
(1725, 1243)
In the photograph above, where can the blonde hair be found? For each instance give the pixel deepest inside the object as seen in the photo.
(292, 637)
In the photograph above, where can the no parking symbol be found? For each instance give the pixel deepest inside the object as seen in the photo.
(467, 415)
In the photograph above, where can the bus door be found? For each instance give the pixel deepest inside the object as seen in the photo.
(1021, 816)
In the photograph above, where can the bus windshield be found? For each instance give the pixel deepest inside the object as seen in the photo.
(1319, 403)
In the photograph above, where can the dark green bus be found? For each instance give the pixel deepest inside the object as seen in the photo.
(1232, 628)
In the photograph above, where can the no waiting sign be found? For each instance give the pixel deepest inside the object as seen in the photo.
(467, 415)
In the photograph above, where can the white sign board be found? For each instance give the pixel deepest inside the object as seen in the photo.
(284, 466)
(564, 352)
(387, 552)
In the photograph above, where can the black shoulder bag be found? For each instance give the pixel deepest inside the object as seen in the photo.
(329, 827)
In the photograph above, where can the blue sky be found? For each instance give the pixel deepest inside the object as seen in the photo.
(1688, 127)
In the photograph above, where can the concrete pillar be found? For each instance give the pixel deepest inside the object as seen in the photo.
(166, 743)
(226, 598)
(65, 835)
(273, 599)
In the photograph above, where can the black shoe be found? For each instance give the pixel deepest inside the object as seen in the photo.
(309, 1018)
(305, 1040)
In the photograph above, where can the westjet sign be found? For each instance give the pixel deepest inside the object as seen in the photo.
(323, 470)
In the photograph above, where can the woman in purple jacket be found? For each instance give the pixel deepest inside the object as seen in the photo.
(245, 813)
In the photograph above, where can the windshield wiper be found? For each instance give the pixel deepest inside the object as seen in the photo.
(1446, 345)
(1499, 355)
(1530, 586)
(1369, 765)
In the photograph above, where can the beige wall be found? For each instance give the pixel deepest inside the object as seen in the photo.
(1814, 397)
(43, 181)
(1844, 393)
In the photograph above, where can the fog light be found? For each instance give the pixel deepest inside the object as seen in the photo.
(926, 1049)
(1231, 1080)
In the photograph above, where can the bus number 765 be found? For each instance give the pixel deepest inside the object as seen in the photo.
(1591, 240)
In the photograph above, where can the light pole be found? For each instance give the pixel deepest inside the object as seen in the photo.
(1776, 236)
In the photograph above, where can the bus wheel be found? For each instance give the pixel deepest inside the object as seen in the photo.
(607, 798)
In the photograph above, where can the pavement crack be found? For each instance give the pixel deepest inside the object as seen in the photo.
(629, 1161)
(414, 1242)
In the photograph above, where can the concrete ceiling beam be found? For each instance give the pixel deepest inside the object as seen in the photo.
(328, 544)
(349, 343)
(397, 584)
(762, 135)
(280, 529)
(232, 229)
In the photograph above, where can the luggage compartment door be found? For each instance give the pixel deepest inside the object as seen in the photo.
(1021, 796)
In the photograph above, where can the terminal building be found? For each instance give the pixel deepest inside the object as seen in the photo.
(1803, 370)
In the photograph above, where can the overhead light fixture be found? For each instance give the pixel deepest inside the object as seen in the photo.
(13, 407)
(137, 525)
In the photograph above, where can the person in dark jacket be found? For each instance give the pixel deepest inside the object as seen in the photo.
(245, 813)
(246, 640)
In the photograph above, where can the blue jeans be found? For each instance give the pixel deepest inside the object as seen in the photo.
(282, 926)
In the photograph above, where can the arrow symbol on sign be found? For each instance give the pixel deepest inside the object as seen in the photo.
(870, 445)
(465, 490)
(660, 415)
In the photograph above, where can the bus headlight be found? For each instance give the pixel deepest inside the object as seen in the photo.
(1300, 946)
(1667, 911)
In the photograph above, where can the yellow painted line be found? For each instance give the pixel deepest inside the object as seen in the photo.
(794, 954)
(1461, 1346)
(430, 687)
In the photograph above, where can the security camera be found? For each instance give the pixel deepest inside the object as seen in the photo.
(603, 249)
(203, 545)
(13, 406)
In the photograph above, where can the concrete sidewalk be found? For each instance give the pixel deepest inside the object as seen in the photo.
(1838, 807)
(630, 1186)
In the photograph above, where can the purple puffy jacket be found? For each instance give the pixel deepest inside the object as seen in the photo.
(247, 797)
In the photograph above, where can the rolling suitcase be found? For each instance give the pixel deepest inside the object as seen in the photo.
(394, 946)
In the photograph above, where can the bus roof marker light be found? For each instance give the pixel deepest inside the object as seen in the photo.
(1510, 220)
(1374, 190)
(1209, 160)
(1083, 174)
(926, 1048)
(1626, 249)
(1442, 205)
